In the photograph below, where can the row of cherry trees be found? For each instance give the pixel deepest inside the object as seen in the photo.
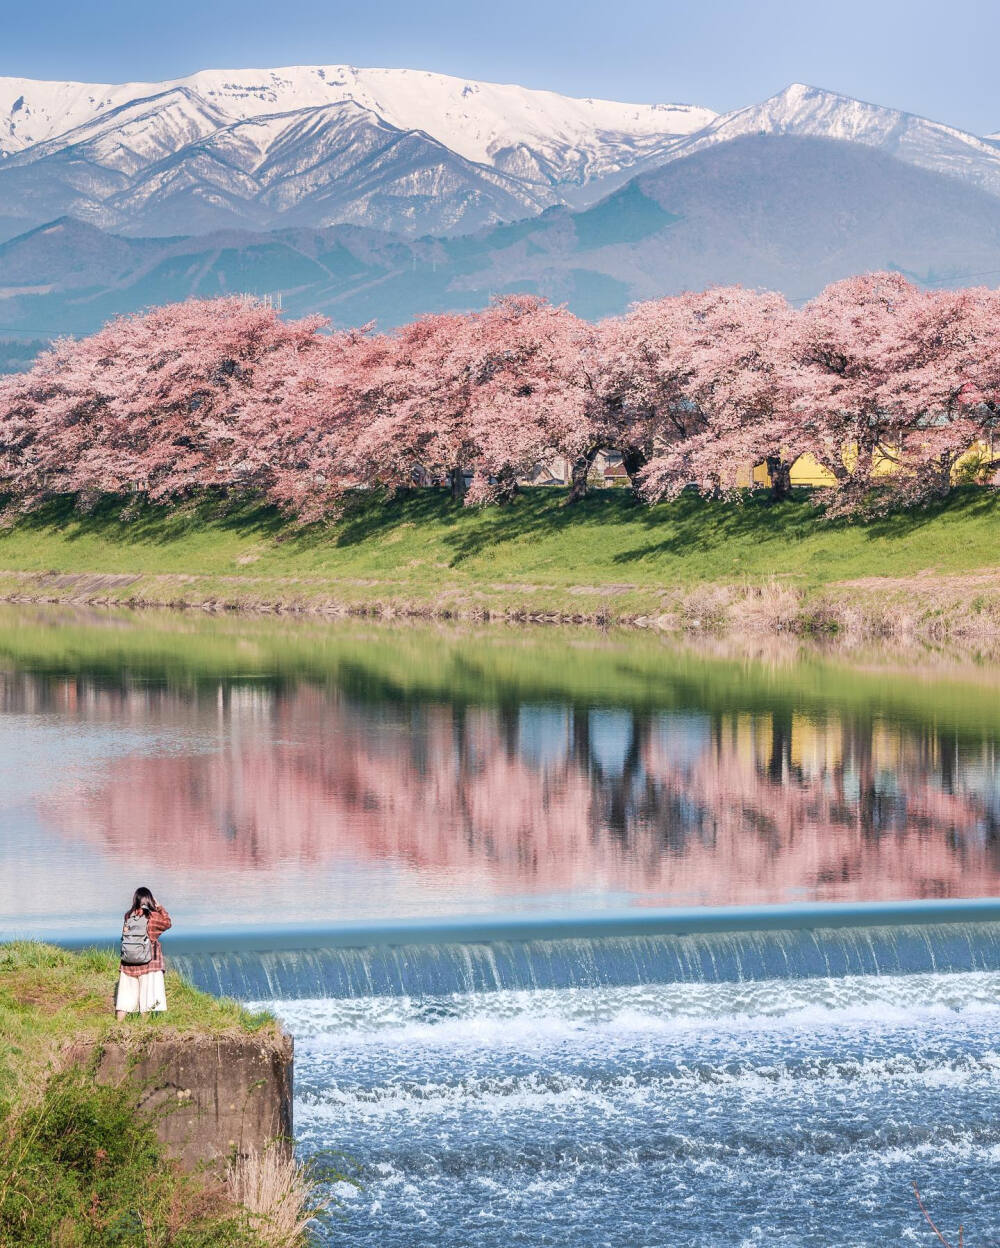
(691, 390)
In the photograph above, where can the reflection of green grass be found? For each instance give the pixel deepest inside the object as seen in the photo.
(414, 663)
(534, 554)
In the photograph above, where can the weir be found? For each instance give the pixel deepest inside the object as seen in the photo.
(707, 946)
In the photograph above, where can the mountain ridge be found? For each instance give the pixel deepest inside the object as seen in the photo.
(474, 152)
(214, 184)
(720, 217)
(410, 151)
(815, 112)
(441, 104)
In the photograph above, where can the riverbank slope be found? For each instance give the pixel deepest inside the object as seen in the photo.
(109, 1129)
(687, 564)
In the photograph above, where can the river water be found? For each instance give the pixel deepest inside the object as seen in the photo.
(784, 1114)
(293, 790)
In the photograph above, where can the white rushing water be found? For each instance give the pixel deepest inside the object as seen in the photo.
(780, 1112)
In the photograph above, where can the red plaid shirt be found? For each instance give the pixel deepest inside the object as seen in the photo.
(156, 925)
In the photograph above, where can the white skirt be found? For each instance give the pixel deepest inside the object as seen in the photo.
(140, 994)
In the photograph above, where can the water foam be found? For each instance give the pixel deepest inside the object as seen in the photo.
(796, 1111)
(510, 1018)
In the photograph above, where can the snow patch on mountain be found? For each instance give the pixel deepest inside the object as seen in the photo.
(131, 136)
(814, 113)
(479, 120)
(404, 149)
(32, 111)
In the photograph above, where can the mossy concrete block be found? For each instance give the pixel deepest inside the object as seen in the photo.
(211, 1096)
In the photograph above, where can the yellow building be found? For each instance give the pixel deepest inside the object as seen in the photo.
(807, 471)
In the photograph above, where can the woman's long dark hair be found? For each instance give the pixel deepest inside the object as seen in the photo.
(142, 899)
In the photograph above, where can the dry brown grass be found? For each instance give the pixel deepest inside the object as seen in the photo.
(771, 607)
(280, 1198)
(923, 608)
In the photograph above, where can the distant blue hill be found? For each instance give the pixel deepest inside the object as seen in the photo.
(777, 211)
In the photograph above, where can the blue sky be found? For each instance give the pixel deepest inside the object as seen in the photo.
(932, 58)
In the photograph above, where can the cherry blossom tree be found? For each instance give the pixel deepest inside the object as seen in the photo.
(596, 417)
(735, 395)
(642, 382)
(158, 405)
(895, 391)
(933, 396)
(487, 393)
(843, 345)
(526, 403)
(298, 427)
(417, 386)
(894, 387)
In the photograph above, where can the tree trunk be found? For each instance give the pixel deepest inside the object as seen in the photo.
(633, 461)
(456, 481)
(780, 473)
(834, 466)
(579, 474)
(865, 465)
(506, 486)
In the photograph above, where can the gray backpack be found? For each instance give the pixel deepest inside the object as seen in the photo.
(137, 948)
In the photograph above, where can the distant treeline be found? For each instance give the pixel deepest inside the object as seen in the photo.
(893, 393)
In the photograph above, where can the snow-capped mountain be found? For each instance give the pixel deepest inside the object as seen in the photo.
(403, 150)
(777, 211)
(406, 152)
(173, 163)
(813, 113)
(129, 136)
(410, 150)
(534, 134)
(81, 171)
(485, 122)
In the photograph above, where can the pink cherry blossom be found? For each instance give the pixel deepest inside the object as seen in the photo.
(894, 391)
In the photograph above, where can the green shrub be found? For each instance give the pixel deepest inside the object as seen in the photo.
(82, 1168)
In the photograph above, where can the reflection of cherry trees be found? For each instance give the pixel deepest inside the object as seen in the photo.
(679, 809)
(870, 820)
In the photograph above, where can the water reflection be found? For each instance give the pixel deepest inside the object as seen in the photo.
(369, 800)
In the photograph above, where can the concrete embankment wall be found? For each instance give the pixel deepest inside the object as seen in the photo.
(211, 1096)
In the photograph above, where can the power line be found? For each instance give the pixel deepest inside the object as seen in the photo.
(28, 333)
(937, 281)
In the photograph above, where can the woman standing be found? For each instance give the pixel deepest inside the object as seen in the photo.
(140, 984)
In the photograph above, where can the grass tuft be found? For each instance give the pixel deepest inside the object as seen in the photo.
(282, 1199)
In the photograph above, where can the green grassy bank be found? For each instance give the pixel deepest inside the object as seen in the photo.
(50, 997)
(80, 1164)
(687, 563)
